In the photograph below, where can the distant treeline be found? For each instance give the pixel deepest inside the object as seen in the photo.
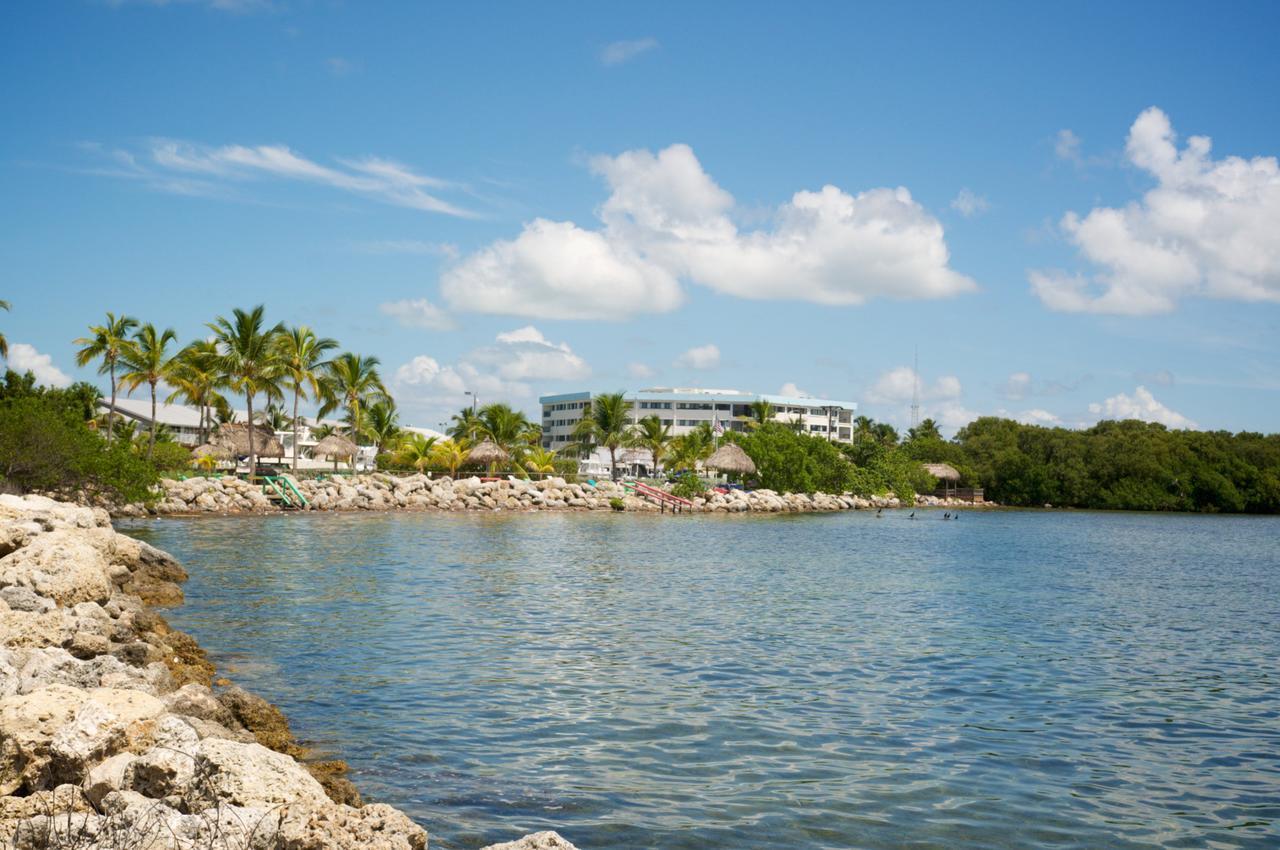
(1127, 465)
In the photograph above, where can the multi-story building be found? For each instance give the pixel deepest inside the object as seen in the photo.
(685, 408)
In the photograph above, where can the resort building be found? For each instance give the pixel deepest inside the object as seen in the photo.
(181, 421)
(685, 408)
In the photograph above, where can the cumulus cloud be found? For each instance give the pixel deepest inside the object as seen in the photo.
(417, 313)
(666, 220)
(189, 168)
(1018, 386)
(790, 389)
(700, 357)
(1141, 405)
(618, 52)
(25, 358)
(968, 203)
(899, 385)
(503, 371)
(1207, 229)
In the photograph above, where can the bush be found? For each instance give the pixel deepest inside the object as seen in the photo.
(617, 504)
(796, 463)
(171, 457)
(689, 486)
(46, 447)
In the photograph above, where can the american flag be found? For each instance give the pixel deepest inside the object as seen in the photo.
(717, 427)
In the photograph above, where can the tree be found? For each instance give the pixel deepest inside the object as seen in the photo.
(108, 342)
(149, 362)
(885, 434)
(274, 417)
(197, 377)
(509, 429)
(466, 425)
(762, 413)
(352, 382)
(450, 454)
(926, 430)
(302, 356)
(606, 423)
(690, 449)
(417, 451)
(249, 358)
(4, 343)
(650, 434)
(539, 461)
(382, 425)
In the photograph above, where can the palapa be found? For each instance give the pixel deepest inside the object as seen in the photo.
(234, 438)
(210, 450)
(942, 471)
(731, 458)
(334, 446)
(487, 452)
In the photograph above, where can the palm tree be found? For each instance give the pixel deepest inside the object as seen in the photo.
(417, 451)
(509, 429)
(274, 417)
(926, 430)
(652, 435)
(247, 355)
(4, 343)
(762, 413)
(382, 424)
(352, 382)
(539, 460)
(606, 423)
(197, 377)
(149, 362)
(320, 431)
(688, 450)
(451, 454)
(885, 434)
(466, 424)
(108, 342)
(302, 353)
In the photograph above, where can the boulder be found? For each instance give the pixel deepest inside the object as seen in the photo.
(537, 841)
(61, 565)
(252, 775)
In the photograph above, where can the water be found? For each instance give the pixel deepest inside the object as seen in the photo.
(1006, 680)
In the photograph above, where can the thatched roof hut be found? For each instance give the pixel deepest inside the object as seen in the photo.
(731, 458)
(334, 446)
(487, 452)
(234, 438)
(942, 471)
(210, 450)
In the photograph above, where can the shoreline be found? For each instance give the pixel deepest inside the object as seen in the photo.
(116, 731)
(228, 495)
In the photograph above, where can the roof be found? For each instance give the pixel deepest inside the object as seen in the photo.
(709, 395)
(173, 415)
(942, 471)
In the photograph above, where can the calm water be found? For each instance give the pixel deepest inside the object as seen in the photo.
(1007, 680)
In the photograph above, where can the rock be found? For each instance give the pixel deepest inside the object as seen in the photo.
(252, 775)
(25, 599)
(61, 565)
(372, 827)
(195, 700)
(28, 723)
(264, 720)
(107, 776)
(537, 841)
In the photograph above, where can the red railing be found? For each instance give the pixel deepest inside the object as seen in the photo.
(661, 497)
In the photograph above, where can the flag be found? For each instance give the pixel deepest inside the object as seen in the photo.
(717, 427)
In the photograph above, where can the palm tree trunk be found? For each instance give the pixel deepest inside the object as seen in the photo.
(111, 414)
(613, 464)
(296, 393)
(253, 455)
(151, 441)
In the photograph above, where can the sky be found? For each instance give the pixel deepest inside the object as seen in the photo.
(1062, 212)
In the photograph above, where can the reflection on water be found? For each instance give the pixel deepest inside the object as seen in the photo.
(1004, 680)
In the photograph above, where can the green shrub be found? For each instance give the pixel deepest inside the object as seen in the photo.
(171, 457)
(617, 504)
(689, 487)
(789, 462)
(46, 447)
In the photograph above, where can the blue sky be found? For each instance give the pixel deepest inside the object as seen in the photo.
(519, 200)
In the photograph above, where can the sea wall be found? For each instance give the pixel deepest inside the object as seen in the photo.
(113, 735)
(380, 492)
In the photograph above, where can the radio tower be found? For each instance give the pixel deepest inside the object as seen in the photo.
(915, 390)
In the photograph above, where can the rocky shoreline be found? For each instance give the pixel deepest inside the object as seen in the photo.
(381, 492)
(114, 734)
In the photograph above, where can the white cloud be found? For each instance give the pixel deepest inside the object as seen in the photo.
(899, 385)
(556, 270)
(504, 371)
(619, 52)
(1141, 405)
(1207, 229)
(791, 389)
(188, 168)
(417, 313)
(1039, 416)
(1066, 145)
(25, 358)
(700, 357)
(640, 371)
(1019, 386)
(968, 203)
(666, 219)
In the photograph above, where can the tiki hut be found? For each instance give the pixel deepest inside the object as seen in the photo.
(488, 453)
(945, 473)
(234, 439)
(731, 458)
(335, 447)
(210, 450)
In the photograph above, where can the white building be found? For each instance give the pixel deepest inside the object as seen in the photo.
(686, 408)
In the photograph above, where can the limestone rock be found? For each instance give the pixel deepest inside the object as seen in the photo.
(252, 775)
(61, 565)
(537, 841)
